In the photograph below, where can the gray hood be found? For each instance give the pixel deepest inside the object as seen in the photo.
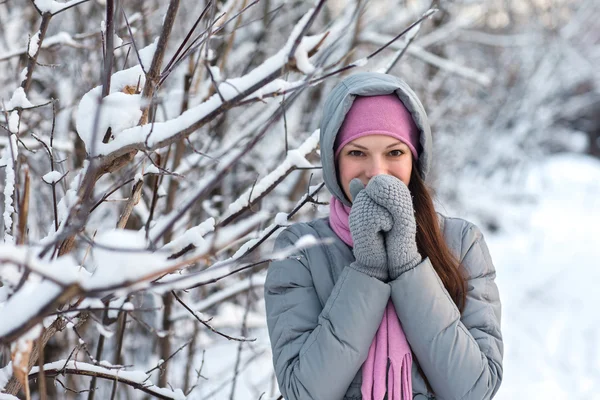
(339, 102)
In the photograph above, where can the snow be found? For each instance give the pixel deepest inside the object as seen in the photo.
(26, 303)
(91, 303)
(119, 111)
(5, 375)
(216, 73)
(193, 236)
(23, 74)
(115, 303)
(34, 44)
(306, 240)
(117, 41)
(230, 315)
(295, 159)
(18, 100)
(52, 177)
(6, 159)
(231, 232)
(281, 219)
(35, 293)
(147, 53)
(361, 63)
(107, 333)
(53, 6)
(547, 275)
(122, 256)
(13, 122)
(306, 44)
(152, 169)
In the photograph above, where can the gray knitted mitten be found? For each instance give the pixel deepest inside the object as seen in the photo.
(368, 223)
(401, 241)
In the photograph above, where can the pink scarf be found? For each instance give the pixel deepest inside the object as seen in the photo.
(390, 341)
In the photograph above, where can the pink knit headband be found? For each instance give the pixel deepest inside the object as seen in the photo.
(378, 115)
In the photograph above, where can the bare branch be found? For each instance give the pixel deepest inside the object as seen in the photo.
(206, 323)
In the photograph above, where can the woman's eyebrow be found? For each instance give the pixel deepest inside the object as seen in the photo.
(396, 144)
(358, 145)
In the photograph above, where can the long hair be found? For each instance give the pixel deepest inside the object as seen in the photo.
(431, 243)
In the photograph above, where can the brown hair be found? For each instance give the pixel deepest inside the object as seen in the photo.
(431, 244)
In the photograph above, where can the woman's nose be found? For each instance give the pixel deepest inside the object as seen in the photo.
(376, 167)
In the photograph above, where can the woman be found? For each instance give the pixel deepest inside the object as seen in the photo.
(399, 302)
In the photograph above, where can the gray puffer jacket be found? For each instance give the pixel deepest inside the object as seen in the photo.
(322, 318)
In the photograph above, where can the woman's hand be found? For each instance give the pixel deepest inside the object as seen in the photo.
(368, 224)
(392, 194)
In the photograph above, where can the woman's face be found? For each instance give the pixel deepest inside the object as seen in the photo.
(373, 155)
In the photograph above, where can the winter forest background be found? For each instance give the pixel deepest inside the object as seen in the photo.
(150, 151)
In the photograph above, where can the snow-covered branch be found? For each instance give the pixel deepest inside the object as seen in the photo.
(136, 379)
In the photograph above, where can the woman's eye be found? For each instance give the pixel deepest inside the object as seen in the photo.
(396, 153)
(355, 153)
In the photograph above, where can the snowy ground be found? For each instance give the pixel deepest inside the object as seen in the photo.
(547, 262)
(548, 274)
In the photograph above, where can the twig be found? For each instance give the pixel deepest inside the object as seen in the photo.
(400, 53)
(137, 53)
(160, 365)
(32, 61)
(28, 108)
(164, 342)
(229, 46)
(71, 6)
(305, 29)
(153, 75)
(155, 187)
(24, 209)
(134, 198)
(198, 375)
(109, 49)
(214, 83)
(51, 156)
(190, 358)
(84, 346)
(42, 376)
(187, 38)
(193, 46)
(117, 358)
(206, 324)
(240, 345)
(379, 50)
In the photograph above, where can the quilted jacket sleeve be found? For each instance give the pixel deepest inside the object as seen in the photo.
(318, 350)
(461, 356)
